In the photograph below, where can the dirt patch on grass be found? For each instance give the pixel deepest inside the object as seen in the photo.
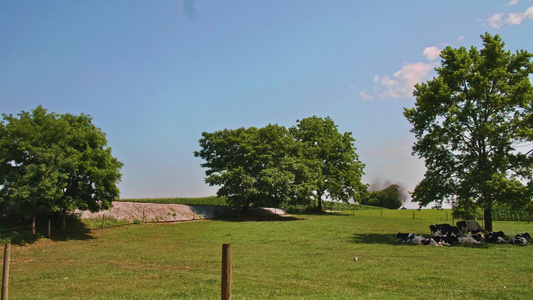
(155, 212)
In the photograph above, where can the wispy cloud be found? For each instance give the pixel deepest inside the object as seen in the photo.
(401, 84)
(366, 96)
(497, 20)
(512, 2)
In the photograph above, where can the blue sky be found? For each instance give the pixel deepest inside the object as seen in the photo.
(154, 75)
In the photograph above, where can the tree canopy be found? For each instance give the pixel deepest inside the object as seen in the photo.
(56, 163)
(341, 170)
(389, 197)
(474, 126)
(274, 166)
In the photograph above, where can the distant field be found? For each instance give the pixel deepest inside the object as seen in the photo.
(311, 257)
(221, 201)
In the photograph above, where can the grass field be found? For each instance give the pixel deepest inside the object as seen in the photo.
(309, 258)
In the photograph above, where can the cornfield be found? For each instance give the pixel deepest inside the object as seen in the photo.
(506, 213)
(219, 201)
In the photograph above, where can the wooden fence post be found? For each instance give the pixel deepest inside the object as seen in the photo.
(413, 214)
(49, 225)
(446, 216)
(103, 219)
(382, 212)
(5, 278)
(226, 272)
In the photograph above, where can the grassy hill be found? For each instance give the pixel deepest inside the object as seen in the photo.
(307, 258)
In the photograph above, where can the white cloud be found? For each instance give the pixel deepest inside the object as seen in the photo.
(514, 18)
(401, 84)
(512, 2)
(461, 38)
(496, 20)
(529, 13)
(432, 53)
(499, 19)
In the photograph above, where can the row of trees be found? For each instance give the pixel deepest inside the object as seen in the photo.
(278, 166)
(55, 163)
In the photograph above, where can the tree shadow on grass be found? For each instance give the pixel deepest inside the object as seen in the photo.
(19, 233)
(376, 238)
(267, 218)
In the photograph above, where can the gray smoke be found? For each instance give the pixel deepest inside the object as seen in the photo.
(379, 185)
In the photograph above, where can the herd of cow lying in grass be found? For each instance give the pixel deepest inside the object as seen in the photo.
(466, 232)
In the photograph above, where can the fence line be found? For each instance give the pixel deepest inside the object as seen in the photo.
(435, 214)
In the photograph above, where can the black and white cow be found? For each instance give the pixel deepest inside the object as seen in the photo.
(445, 240)
(402, 236)
(411, 238)
(470, 239)
(495, 237)
(521, 239)
(444, 230)
(431, 242)
(470, 226)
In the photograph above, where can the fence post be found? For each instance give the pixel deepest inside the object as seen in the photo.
(49, 225)
(446, 216)
(382, 212)
(5, 278)
(103, 219)
(226, 272)
(413, 214)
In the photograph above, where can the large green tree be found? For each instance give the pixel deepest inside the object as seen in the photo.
(257, 166)
(341, 170)
(471, 122)
(55, 162)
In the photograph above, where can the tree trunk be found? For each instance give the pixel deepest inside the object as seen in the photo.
(319, 194)
(487, 215)
(245, 209)
(33, 217)
(63, 219)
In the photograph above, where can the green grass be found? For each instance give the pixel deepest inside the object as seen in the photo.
(311, 258)
(96, 223)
